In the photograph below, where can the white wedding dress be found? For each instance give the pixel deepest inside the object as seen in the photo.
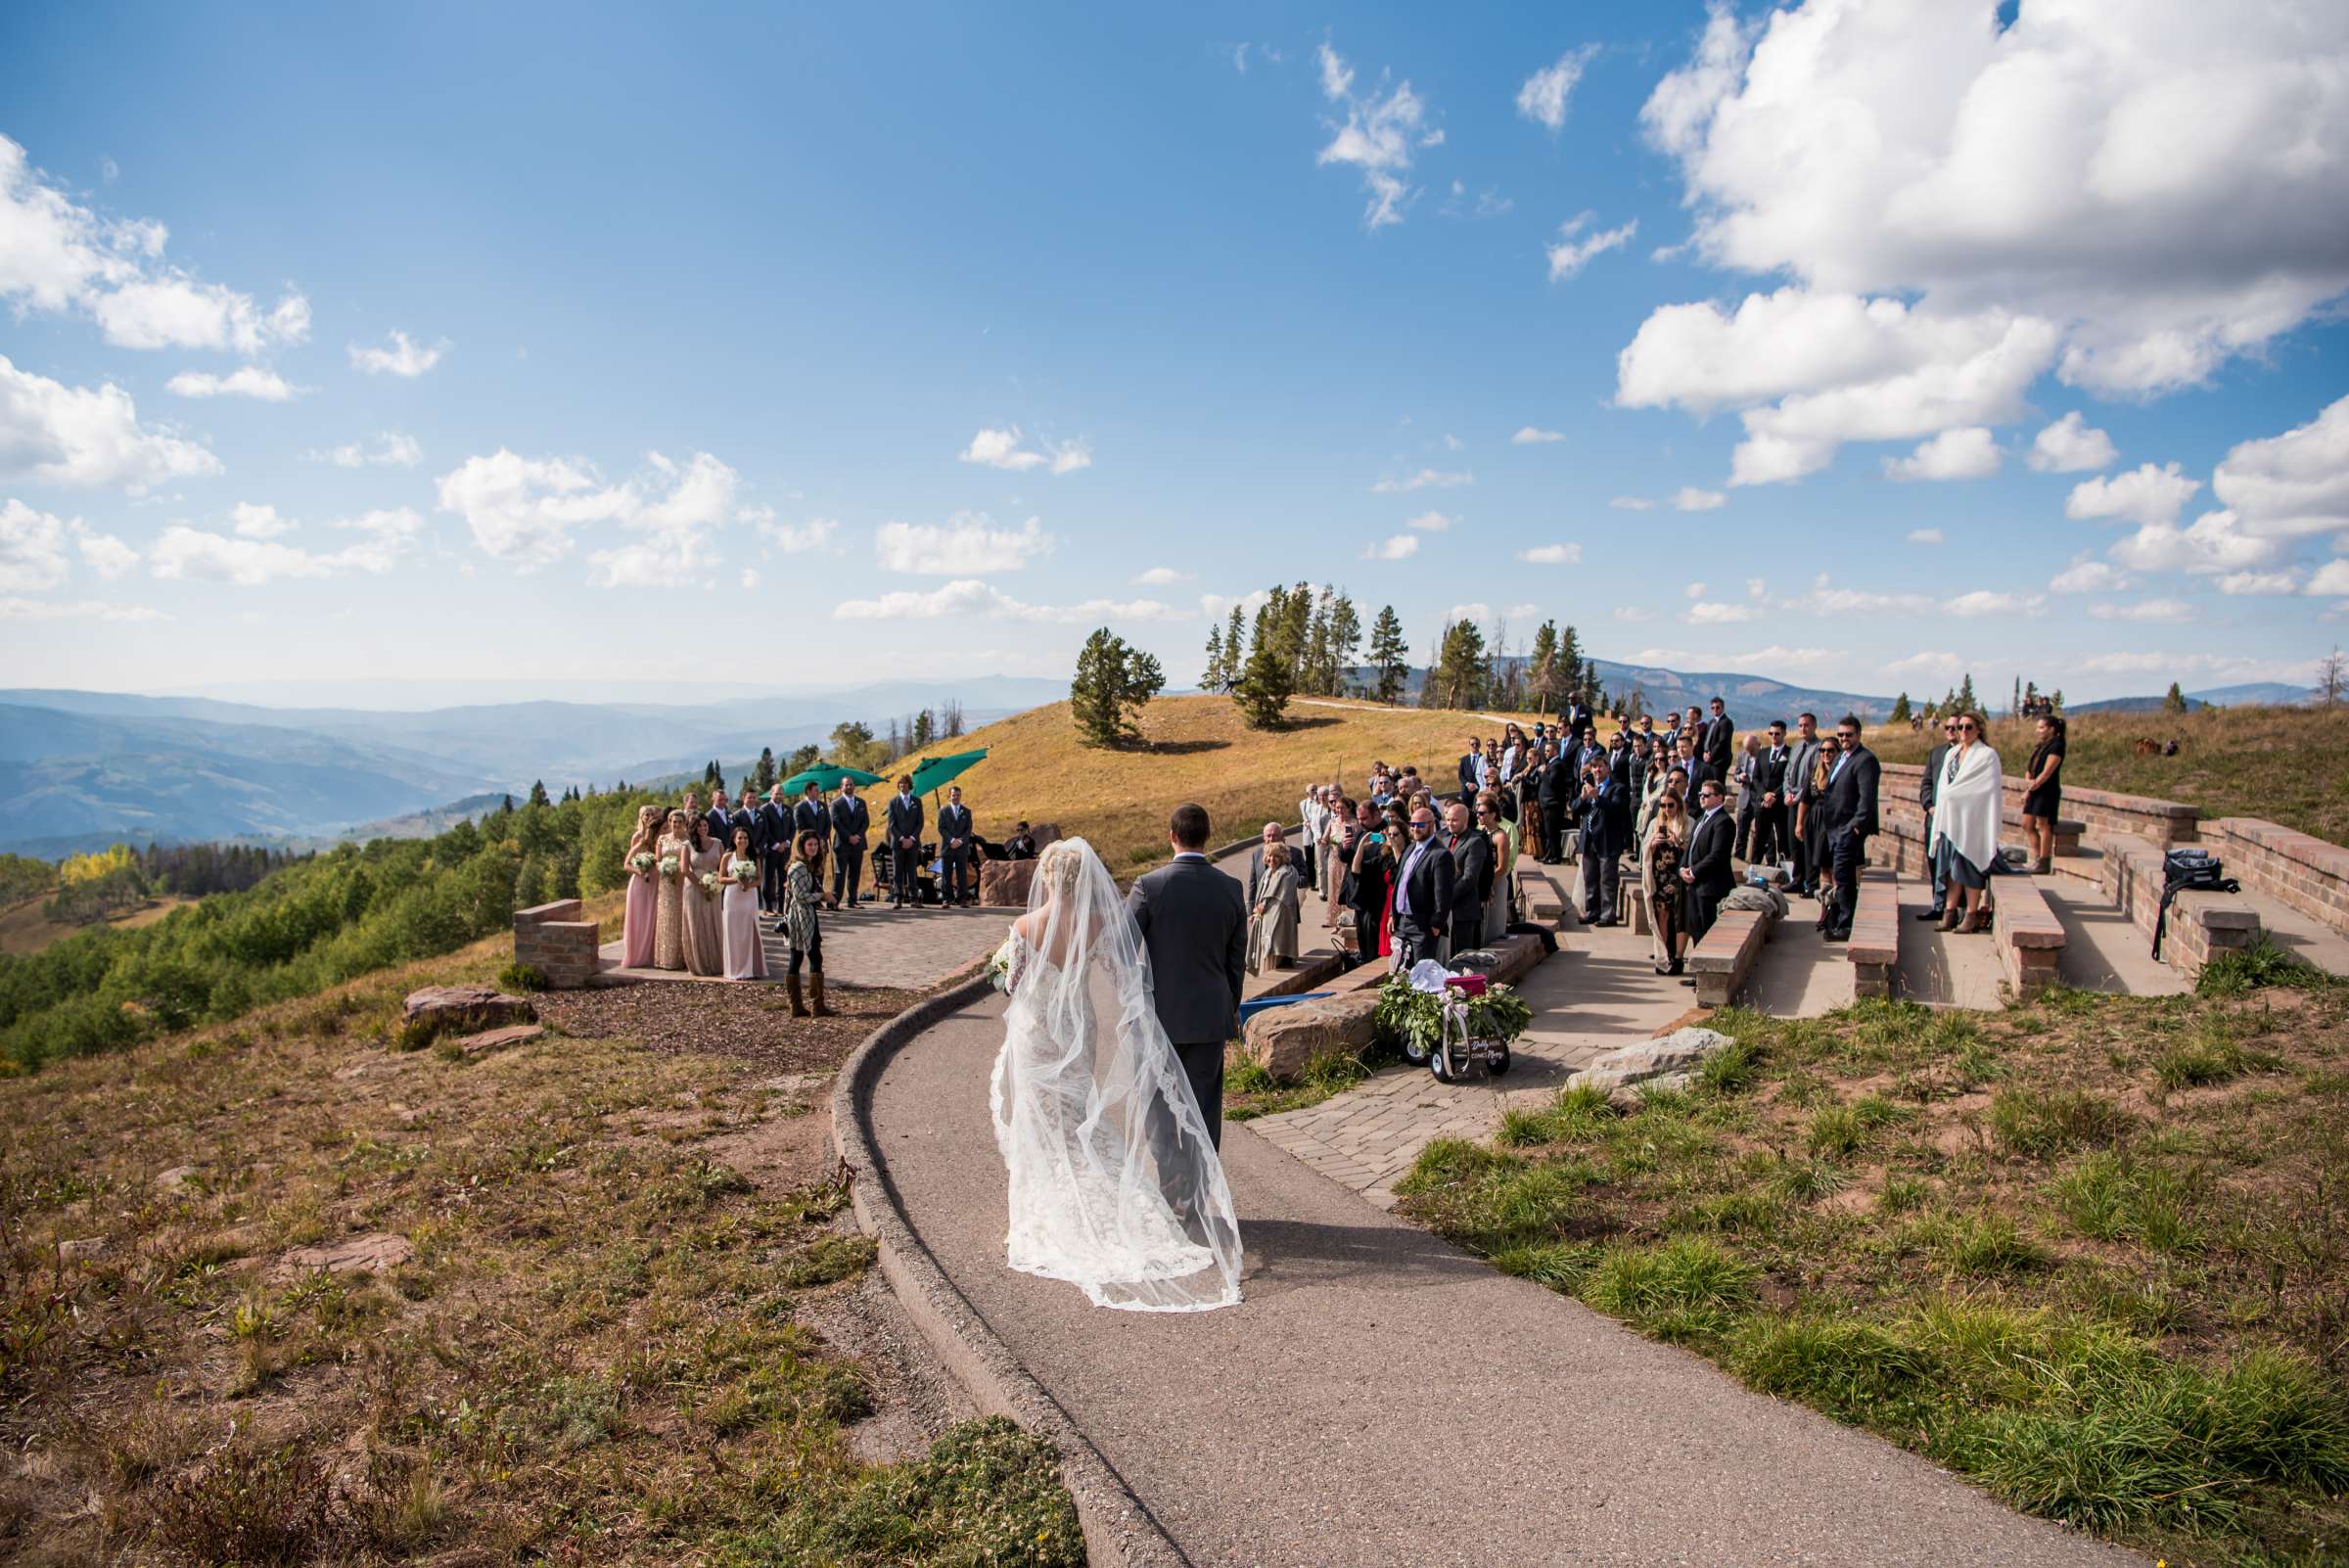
(1113, 1185)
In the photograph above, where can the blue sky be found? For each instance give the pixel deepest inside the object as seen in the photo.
(712, 330)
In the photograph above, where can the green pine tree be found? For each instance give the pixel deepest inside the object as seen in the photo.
(1112, 680)
(1211, 676)
(1390, 656)
(1900, 709)
(1268, 679)
(764, 777)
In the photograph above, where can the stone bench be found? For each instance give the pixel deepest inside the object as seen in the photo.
(1542, 893)
(1874, 947)
(553, 940)
(2028, 936)
(2067, 830)
(2201, 924)
(1727, 955)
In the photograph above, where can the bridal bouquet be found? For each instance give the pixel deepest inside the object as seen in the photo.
(746, 873)
(998, 968)
(641, 862)
(669, 866)
(709, 884)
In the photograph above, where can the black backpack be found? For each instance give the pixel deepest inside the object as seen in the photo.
(2186, 871)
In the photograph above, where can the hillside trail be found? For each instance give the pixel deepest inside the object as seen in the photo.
(1383, 1397)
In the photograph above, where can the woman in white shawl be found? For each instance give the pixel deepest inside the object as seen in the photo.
(1966, 801)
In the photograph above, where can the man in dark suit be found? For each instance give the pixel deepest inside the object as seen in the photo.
(774, 840)
(1849, 818)
(1770, 794)
(721, 819)
(1194, 925)
(810, 815)
(1555, 780)
(1596, 810)
(1721, 742)
(1422, 896)
(1472, 766)
(1471, 880)
(1802, 754)
(852, 823)
(955, 845)
(904, 844)
(1933, 763)
(1705, 869)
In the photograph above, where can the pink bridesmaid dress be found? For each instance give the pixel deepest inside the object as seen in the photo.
(745, 954)
(643, 915)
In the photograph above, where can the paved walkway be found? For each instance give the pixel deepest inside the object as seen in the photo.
(909, 950)
(1381, 1398)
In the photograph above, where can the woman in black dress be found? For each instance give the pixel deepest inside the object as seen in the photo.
(1366, 882)
(2043, 792)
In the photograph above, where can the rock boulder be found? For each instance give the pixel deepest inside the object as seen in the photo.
(463, 1010)
(1679, 1053)
(1283, 1039)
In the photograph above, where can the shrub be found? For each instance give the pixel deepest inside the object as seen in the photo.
(522, 978)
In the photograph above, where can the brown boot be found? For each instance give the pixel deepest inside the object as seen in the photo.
(816, 981)
(1955, 919)
(791, 982)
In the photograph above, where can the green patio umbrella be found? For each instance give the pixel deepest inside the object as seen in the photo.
(938, 771)
(826, 775)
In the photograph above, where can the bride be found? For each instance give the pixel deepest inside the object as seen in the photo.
(1115, 1186)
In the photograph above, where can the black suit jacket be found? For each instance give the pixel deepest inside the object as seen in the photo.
(1770, 774)
(1471, 880)
(904, 820)
(1556, 774)
(721, 823)
(1429, 888)
(1709, 851)
(851, 817)
(955, 823)
(1933, 760)
(1721, 738)
(1848, 805)
(1468, 772)
(806, 816)
(1194, 925)
(742, 819)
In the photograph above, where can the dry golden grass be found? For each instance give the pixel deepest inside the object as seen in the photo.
(1197, 750)
(26, 931)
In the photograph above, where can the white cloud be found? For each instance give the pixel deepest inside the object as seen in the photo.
(1165, 577)
(799, 539)
(77, 610)
(1478, 611)
(1774, 657)
(1987, 602)
(1544, 97)
(1215, 606)
(392, 449)
(1633, 503)
(86, 437)
(749, 577)
(105, 554)
(175, 312)
(2168, 612)
(1967, 453)
(1395, 547)
(1425, 478)
(1553, 555)
(1430, 522)
(1694, 591)
(1713, 612)
(2292, 484)
(2144, 495)
(1930, 663)
(1531, 436)
(970, 597)
(969, 544)
(2331, 579)
(184, 552)
(2240, 584)
(405, 358)
(1485, 204)
(1633, 613)
(2071, 445)
(2215, 543)
(1571, 252)
(1001, 448)
(1381, 131)
(32, 549)
(1926, 537)
(2161, 176)
(523, 511)
(1688, 498)
(247, 380)
(258, 521)
(2085, 576)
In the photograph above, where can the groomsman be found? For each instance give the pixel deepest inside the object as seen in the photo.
(1555, 778)
(1721, 739)
(773, 837)
(852, 821)
(955, 843)
(1802, 754)
(1472, 766)
(1769, 785)
(809, 817)
(904, 844)
(1848, 811)
(721, 820)
(1707, 871)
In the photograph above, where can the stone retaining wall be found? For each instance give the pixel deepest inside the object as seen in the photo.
(2103, 811)
(553, 940)
(2201, 924)
(2309, 874)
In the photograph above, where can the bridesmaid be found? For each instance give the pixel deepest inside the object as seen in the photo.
(745, 955)
(644, 892)
(705, 946)
(669, 931)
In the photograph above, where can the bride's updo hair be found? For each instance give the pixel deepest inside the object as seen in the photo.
(1060, 866)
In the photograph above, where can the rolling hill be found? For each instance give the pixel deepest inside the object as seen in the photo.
(1752, 701)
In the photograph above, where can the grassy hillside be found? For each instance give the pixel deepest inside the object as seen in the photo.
(1197, 750)
(2286, 764)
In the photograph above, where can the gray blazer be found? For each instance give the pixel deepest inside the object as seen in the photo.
(1194, 925)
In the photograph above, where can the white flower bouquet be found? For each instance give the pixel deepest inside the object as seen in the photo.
(998, 968)
(669, 866)
(746, 873)
(642, 863)
(709, 884)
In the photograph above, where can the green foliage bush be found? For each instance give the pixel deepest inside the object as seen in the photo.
(305, 927)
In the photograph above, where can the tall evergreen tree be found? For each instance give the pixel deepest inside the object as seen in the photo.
(925, 729)
(1966, 701)
(1900, 709)
(1112, 680)
(1270, 676)
(1345, 638)
(1235, 646)
(538, 796)
(1211, 676)
(1540, 663)
(1458, 676)
(1390, 656)
(764, 777)
(2174, 700)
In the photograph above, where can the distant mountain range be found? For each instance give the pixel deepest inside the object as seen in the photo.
(2258, 693)
(1752, 701)
(82, 769)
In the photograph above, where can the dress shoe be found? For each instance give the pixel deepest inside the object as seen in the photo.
(1838, 934)
(1934, 913)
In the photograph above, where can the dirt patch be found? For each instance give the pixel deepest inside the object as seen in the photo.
(748, 1022)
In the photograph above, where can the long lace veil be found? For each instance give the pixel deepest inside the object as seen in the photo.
(1114, 1185)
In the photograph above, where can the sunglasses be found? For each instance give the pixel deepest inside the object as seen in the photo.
(1968, 728)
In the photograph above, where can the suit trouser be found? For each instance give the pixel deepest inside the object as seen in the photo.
(959, 886)
(1849, 851)
(1703, 908)
(848, 871)
(1749, 818)
(1465, 935)
(1203, 1066)
(777, 864)
(1603, 883)
(1554, 828)
(903, 863)
(1790, 845)
(1941, 870)
(1764, 850)
(1306, 863)
(1414, 942)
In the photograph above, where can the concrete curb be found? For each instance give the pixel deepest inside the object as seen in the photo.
(1118, 1530)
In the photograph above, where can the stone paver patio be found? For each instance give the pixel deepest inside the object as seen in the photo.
(911, 950)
